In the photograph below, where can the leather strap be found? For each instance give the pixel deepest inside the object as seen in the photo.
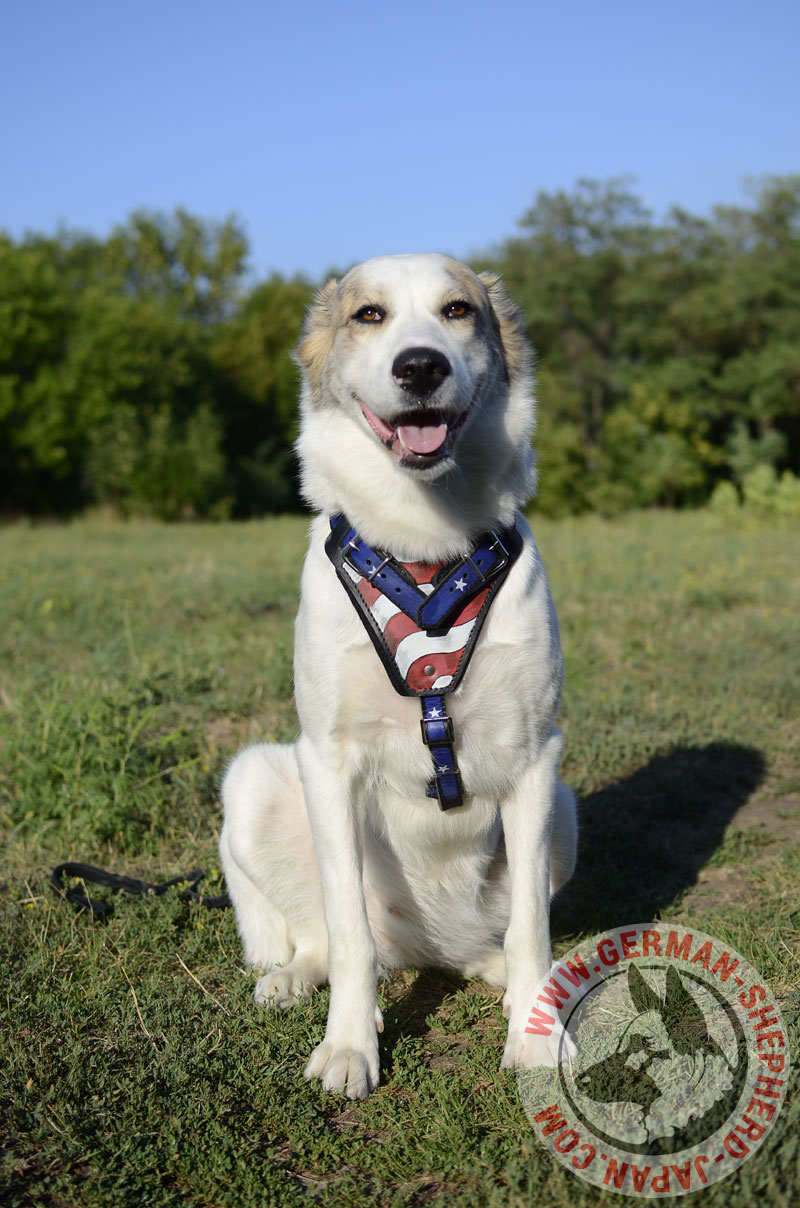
(123, 884)
(437, 734)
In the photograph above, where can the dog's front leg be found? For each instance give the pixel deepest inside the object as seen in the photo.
(528, 823)
(347, 1058)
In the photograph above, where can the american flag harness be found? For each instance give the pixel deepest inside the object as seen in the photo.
(424, 619)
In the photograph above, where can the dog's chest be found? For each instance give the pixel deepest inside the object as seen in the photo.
(496, 720)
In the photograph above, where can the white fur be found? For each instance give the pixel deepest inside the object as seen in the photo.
(336, 860)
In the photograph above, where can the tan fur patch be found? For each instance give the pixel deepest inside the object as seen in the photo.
(355, 292)
(317, 336)
(468, 282)
(510, 323)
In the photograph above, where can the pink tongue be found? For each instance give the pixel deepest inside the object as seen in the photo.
(426, 439)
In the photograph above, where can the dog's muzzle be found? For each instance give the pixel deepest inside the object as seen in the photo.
(421, 435)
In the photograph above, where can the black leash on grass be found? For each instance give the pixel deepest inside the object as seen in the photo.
(122, 884)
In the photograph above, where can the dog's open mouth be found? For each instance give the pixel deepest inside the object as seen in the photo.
(417, 438)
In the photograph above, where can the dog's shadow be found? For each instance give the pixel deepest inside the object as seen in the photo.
(643, 841)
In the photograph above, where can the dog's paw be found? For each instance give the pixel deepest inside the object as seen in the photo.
(350, 1071)
(525, 1050)
(282, 988)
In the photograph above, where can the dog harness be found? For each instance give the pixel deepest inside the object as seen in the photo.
(424, 619)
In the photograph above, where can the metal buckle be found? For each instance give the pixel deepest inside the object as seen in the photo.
(479, 573)
(378, 569)
(484, 578)
(355, 545)
(495, 544)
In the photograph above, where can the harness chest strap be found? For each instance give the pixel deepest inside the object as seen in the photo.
(424, 620)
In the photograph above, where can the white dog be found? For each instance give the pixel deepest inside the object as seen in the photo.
(368, 843)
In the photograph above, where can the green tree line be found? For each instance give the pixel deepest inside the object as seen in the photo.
(146, 373)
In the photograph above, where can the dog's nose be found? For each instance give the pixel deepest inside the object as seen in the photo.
(420, 371)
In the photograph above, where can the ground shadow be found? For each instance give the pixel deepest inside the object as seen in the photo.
(644, 839)
(407, 1013)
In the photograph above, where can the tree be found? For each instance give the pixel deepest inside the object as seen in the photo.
(667, 354)
(196, 265)
(35, 325)
(567, 271)
(139, 371)
(92, 357)
(258, 386)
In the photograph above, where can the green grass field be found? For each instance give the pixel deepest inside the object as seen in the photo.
(134, 661)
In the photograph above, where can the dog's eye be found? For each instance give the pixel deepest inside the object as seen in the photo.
(369, 314)
(457, 310)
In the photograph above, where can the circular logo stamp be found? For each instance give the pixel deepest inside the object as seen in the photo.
(681, 1065)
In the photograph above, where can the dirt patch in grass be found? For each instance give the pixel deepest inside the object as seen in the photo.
(226, 735)
(778, 817)
(759, 834)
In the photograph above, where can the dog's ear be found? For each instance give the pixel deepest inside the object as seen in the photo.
(510, 325)
(317, 334)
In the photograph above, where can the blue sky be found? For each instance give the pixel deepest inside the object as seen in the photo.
(336, 131)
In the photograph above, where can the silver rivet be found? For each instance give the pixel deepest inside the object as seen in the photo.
(428, 670)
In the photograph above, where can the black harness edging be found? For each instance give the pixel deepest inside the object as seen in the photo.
(438, 614)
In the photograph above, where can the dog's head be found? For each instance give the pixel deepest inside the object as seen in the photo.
(417, 371)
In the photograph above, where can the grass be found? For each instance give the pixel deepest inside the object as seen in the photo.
(135, 660)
